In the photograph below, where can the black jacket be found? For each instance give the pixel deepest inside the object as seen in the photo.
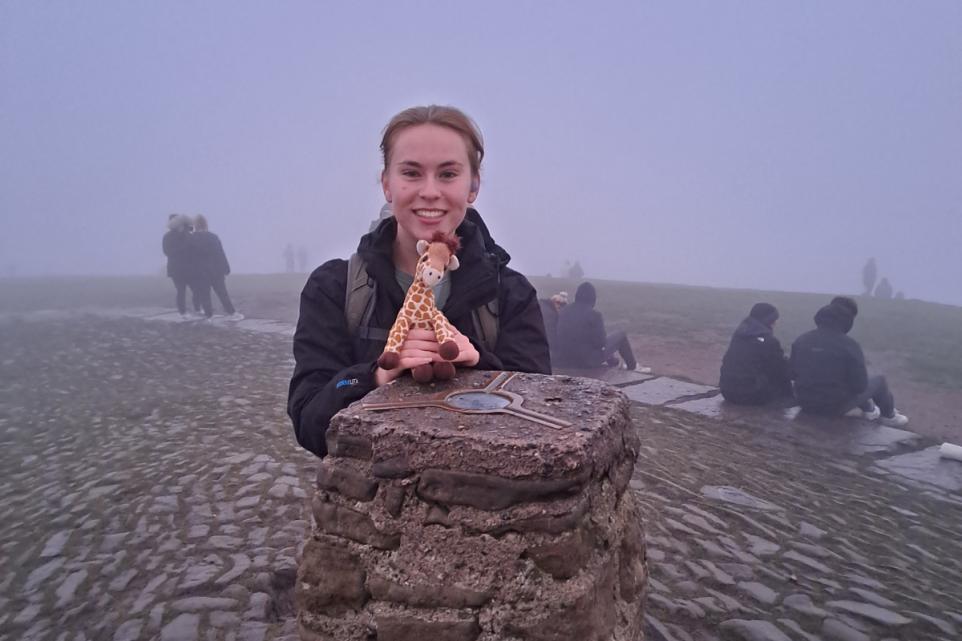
(828, 364)
(581, 335)
(210, 261)
(332, 370)
(754, 368)
(180, 258)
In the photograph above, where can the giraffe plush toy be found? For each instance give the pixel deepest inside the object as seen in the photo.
(419, 310)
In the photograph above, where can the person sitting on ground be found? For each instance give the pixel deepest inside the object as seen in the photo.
(755, 370)
(212, 269)
(550, 308)
(432, 159)
(582, 341)
(830, 374)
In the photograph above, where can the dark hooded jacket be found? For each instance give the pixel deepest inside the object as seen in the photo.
(828, 364)
(754, 369)
(333, 370)
(209, 258)
(581, 331)
(180, 258)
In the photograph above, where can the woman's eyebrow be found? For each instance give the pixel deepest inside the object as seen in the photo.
(417, 165)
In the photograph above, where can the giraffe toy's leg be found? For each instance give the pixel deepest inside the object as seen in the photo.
(391, 356)
(445, 335)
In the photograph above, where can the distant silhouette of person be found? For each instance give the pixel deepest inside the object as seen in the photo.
(302, 259)
(830, 374)
(550, 309)
(755, 370)
(582, 341)
(212, 268)
(180, 264)
(289, 258)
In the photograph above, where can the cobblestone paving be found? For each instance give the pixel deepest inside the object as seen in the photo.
(754, 537)
(151, 486)
(152, 489)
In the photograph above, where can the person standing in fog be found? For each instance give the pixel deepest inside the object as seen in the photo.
(212, 268)
(180, 265)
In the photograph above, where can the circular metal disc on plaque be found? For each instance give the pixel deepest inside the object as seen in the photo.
(477, 401)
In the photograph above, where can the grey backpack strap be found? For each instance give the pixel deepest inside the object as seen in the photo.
(359, 301)
(486, 324)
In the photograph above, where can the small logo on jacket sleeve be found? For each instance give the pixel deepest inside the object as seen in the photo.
(344, 382)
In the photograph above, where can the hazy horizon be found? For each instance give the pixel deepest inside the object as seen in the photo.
(749, 145)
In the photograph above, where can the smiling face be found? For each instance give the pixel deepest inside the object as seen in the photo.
(428, 183)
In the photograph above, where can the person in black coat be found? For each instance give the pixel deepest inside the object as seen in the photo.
(830, 374)
(431, 174)
(211, 269)
(582, 341)
(755, 370)
(180, 259)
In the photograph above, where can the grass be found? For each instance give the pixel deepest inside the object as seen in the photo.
(924, 336)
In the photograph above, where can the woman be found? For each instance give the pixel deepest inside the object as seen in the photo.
(212, 269)
(432, 160)
(180, 267)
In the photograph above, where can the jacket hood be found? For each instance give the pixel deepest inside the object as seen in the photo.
(835, 316)
(751, 327)
(586, 294)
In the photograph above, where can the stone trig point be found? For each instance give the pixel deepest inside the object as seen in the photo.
(448, 526)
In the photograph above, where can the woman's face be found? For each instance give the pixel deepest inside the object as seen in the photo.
(428, 182)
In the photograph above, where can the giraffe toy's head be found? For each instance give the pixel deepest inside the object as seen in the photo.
(437, 256)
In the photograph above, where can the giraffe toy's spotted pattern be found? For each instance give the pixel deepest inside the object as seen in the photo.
(420, 312)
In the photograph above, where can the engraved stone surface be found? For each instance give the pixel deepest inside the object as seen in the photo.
(435, 524)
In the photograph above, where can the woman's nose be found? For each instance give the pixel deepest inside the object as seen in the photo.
(429, 188)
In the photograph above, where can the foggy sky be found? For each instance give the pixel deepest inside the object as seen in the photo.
(744, 144)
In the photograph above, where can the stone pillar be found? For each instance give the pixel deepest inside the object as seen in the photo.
(431, 524)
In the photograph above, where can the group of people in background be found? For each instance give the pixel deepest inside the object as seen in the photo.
(577, 336)
(825, 373)
(196, 260)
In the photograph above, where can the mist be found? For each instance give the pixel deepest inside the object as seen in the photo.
(751, 145)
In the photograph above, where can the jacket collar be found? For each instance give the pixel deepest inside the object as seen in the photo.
(474, 284)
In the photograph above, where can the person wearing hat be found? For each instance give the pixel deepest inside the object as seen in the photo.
(830, 374)
(755, 370)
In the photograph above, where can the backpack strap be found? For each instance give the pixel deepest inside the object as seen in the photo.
(486, 322)
(359, 299)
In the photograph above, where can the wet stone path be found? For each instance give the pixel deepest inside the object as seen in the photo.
(151, 486)
(152, 489)
(757, 538)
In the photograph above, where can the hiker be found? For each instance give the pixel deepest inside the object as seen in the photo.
(582, 341)
(754, 370)
(180, 267)
(432, 157)
(830, 374)
(211, 269)
(550, 308)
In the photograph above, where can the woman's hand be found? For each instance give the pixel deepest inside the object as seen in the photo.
(421, 347)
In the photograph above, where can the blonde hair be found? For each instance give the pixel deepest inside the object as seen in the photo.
(450, 117)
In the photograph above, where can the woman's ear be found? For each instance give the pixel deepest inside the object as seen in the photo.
(475, 186)
(387, 192)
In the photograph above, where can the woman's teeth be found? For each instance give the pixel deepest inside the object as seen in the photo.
(429, 213)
